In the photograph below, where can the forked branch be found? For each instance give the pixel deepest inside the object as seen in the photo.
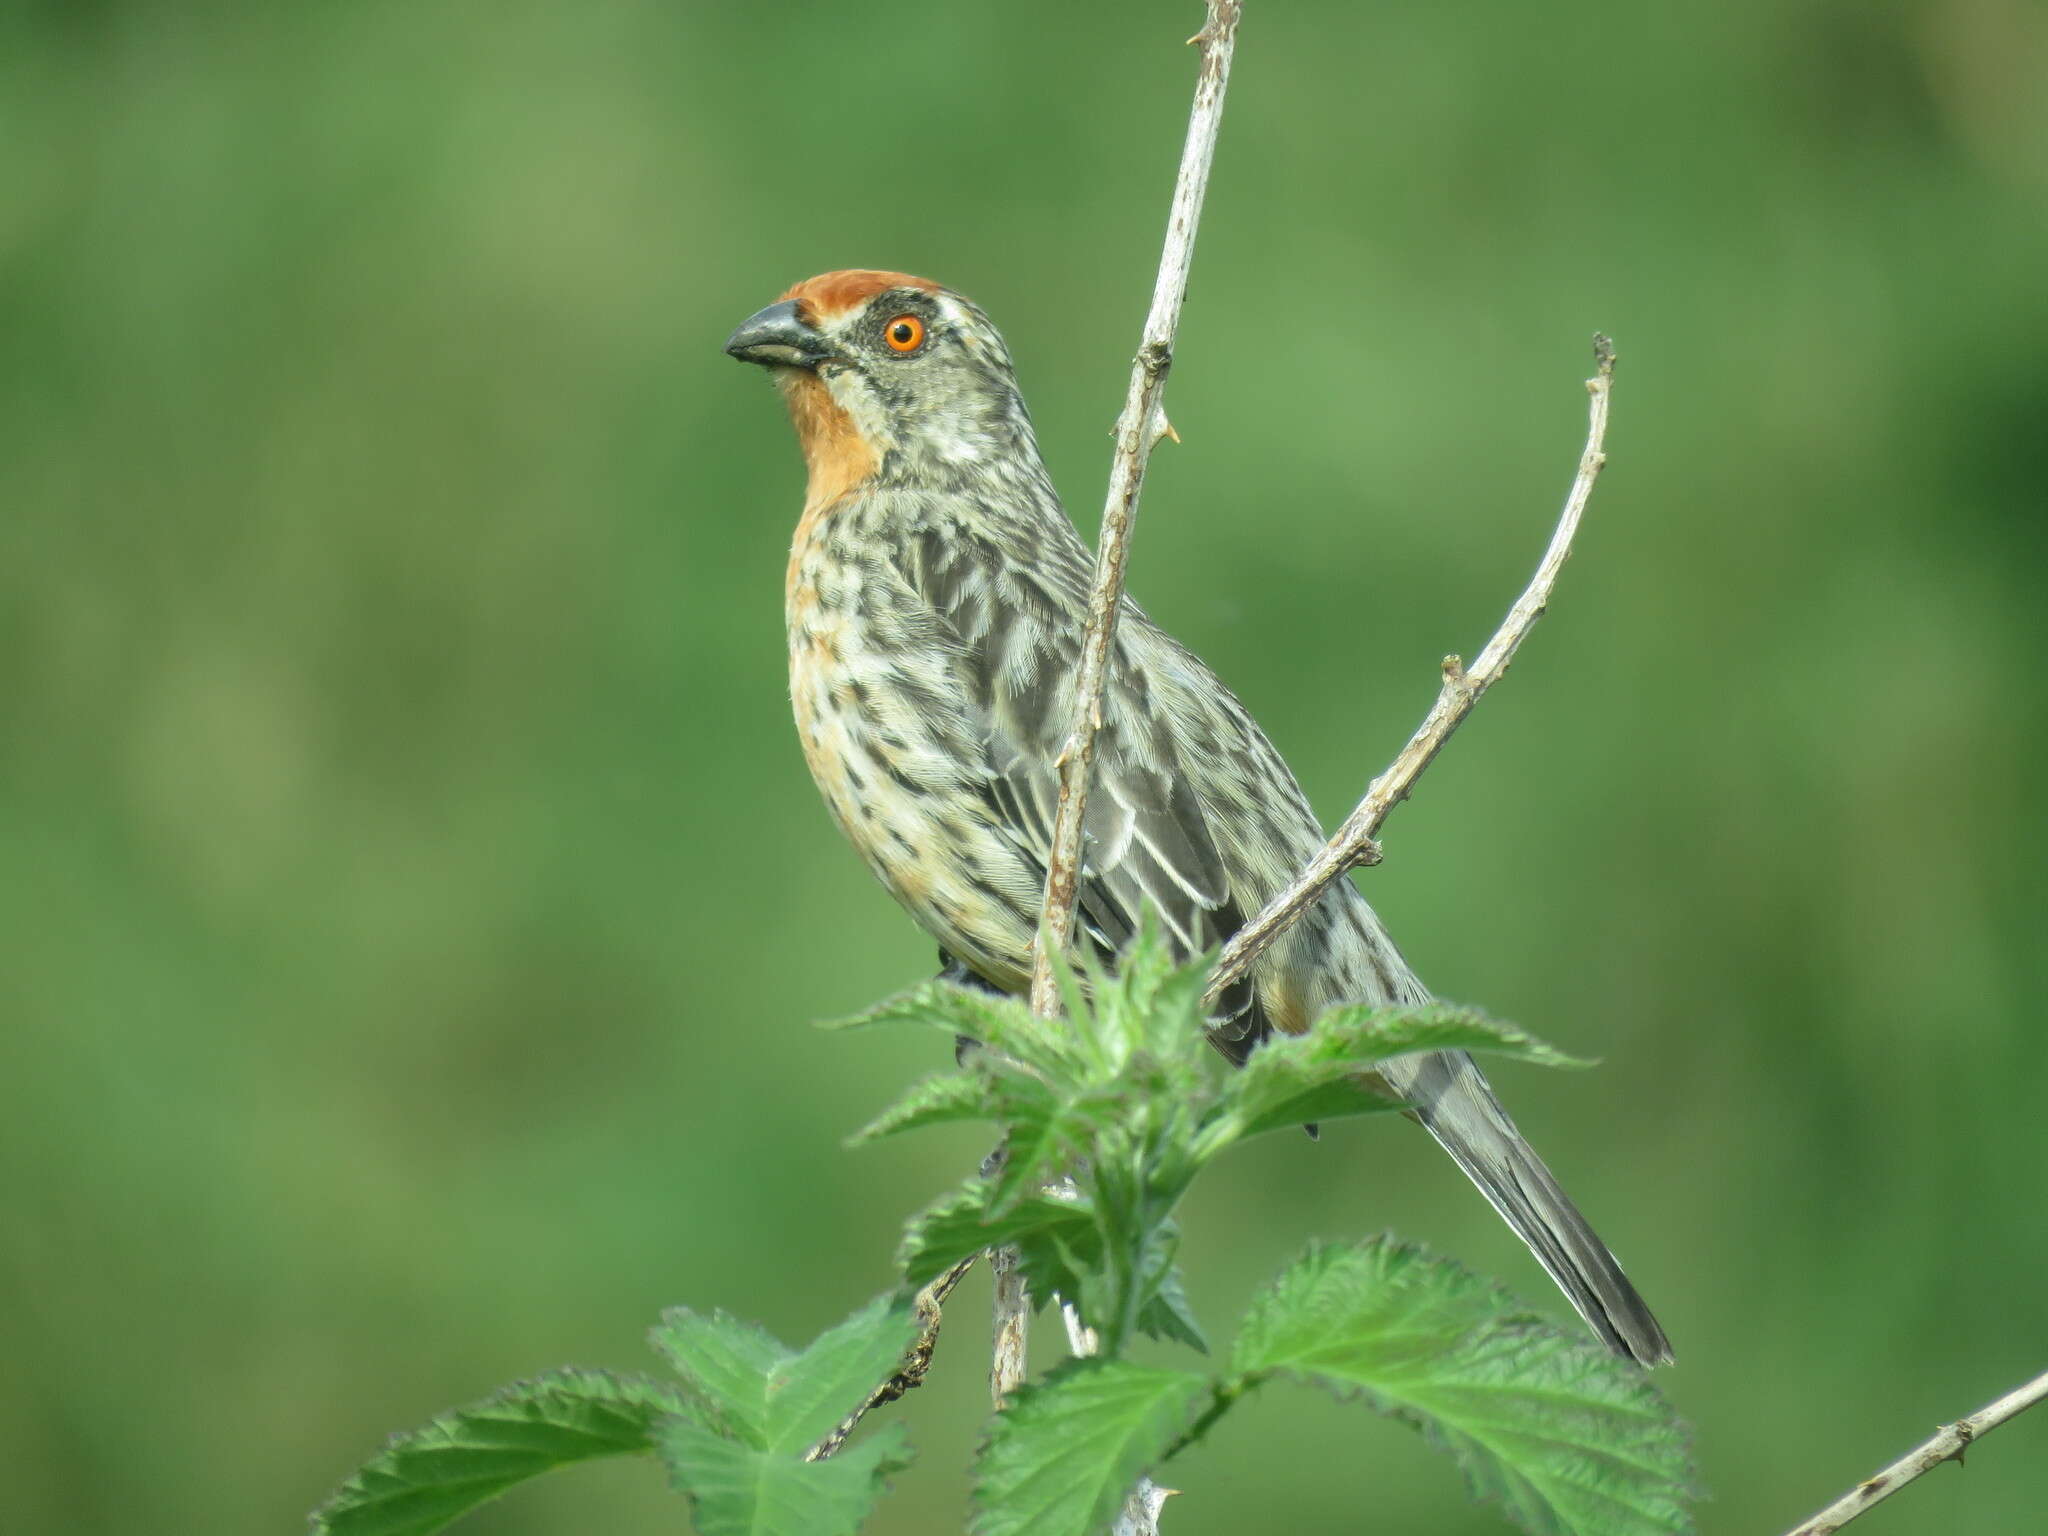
(1353, 844)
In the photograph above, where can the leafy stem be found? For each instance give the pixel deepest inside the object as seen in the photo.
(1224, 1393)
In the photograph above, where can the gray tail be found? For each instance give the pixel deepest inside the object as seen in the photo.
(1453, 1101)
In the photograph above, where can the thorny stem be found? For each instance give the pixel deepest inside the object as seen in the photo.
(1947, 1445)
(1353, 844)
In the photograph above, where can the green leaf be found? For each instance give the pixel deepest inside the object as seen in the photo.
(997, 1022)
(1292, 1080)
(1059, 1261)
(425, 1478)
(1368, 1034)
(725, 1364)
(964, 1223)
(1049, 1133)
(741, 1490)
(1112, 1098)
(1059, 1248)
(1167, 1314)
(1570, 1439)
(753, 1389)
(810, 1393)
(1024, 1054)
(1060, 1458)
(1137, 1174)
(946, 1096)
(764, 1405)
(1155, 1004)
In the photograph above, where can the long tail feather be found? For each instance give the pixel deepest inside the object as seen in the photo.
(1453, 1101)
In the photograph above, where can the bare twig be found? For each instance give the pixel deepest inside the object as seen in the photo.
(1353, 844)
(1010, 1347)
(1138, 431)
(1140, 1515)
(1006, 1370)
(917, 1360)
(1948, 1445)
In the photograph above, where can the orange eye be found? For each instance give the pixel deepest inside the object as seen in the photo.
(904, 334)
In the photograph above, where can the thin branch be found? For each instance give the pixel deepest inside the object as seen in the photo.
(1947, 1445)
(1353, 844)
(1010, 1348)
(1138, 431)
(910, 1372)
(1007, 1365)
(1223, 1393)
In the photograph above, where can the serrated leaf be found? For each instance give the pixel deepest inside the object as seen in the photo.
(963, 1224)
(752, 1388)
(981, 1016)
(428, 1477)
(1137, 1176)
(1168, 1315)
(1368, 1035)
(741, 1490)
(1060, 1261)
(726, 1364)
(944, 1097)
(1047, 1134)
(1570, 1439)
(1060, 1458)
(1059, 1250)
(1318, 1105)
(1160, 1000)
(1293, 1080)
(810, 1393)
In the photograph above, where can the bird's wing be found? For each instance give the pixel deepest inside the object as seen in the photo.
(1148, 840)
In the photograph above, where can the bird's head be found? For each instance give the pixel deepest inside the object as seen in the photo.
(889, 377)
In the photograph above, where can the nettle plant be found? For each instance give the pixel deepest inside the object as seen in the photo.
(1108, 1117)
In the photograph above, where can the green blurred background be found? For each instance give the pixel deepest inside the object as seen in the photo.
(416, 904)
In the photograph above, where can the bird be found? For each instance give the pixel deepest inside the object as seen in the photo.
(935, 600)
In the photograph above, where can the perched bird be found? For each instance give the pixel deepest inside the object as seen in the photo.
(936, 597)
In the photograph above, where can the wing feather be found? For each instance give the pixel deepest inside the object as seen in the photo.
(1147, 837)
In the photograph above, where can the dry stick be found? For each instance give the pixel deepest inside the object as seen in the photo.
(910, 1373)
(1353, 844)
(1948, 1445)
(1012, 1329)
(1138, 431)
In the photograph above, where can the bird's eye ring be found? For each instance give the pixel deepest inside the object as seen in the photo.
(904, 334)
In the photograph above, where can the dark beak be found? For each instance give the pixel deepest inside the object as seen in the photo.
(779, 335)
